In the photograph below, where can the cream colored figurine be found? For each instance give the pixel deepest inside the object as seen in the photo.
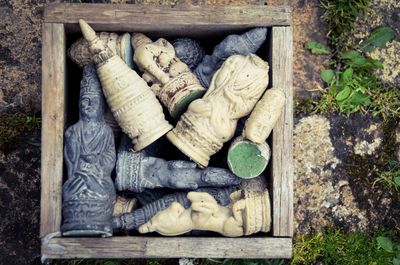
(172, 81)
(130, 99)
(249, 212)
(123, 205)
(119, 44)
(264, 116)
(211, 121)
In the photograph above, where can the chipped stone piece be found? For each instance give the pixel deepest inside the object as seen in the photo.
(211, 121)
(89, 154)
(244, 44)
(172, 81)
(131, 101)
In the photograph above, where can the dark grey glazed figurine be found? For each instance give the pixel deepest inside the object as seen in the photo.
(142, 215)
(188, 51)
(137, 171)
(244, 44)
(89, 154)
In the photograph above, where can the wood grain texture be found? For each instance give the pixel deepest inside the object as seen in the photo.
(282, 137)
(167, 247)
(53, 112)
(176, 20)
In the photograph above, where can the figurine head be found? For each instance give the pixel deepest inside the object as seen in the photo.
(91, 102)
(139, 39)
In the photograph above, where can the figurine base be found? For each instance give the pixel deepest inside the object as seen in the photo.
(144, 141)
(200, 159)
(83, 230)
(248, 160)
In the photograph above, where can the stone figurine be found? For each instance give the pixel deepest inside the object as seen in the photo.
(119, 44)
(130, 99)
(247, 159)
(249, 212)
(244, 44)
(89, 154)
(142, 215)
(264, 116)
(171, 79)
(188, 51)
(137, 171)
(211, 121)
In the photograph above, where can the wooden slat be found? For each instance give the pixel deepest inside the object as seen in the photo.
(166, 19)
(53, 89)
(167, 247)
(282, 137)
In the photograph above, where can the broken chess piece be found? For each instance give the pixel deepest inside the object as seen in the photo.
(89, 154)
(137, 171)
(188, 51)
(124, 205)
(211, 121)
(249, 212)
(171, 79)
(130, 99)
(245, 44)
(247, 159)
(142, 215)
(264, 116)
(119, 44)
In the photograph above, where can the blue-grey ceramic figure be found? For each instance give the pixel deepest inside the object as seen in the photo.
(89, 155)
(248, 42)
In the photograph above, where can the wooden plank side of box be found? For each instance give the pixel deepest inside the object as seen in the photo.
(167, 247)
(53, 116)
(167, 19)
(282, 137)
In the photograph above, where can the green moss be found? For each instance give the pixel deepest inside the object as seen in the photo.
(13, 127)
(333, 246)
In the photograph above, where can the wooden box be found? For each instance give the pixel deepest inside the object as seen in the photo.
(60, 21)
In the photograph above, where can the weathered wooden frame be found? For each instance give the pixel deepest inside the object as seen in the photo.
(59, 20)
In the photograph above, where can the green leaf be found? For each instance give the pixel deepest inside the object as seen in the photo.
(350, 55)
(397, 181)
(360, 99)
(111, 263)
(396, 261)
(384, 243)
(348, 73)
(378, 38)
(342, 95)
(317, 48)
(327, 75)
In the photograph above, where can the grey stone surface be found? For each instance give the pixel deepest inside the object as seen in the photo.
(137, 171)
(89, 154)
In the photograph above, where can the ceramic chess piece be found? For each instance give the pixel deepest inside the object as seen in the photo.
(249, 212)
(264, 116)
(137, 171)
(89, 155)
(211, 121)
(171, 79)
(142, 215)
(247, 43)
(131, 101)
